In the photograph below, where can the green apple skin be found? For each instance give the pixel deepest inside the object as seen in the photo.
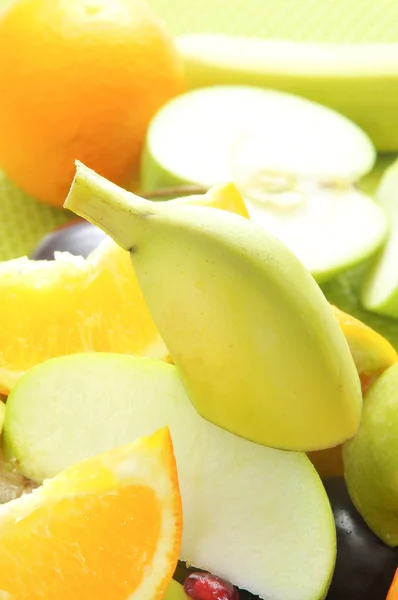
(344, 77)
(256, 516)
(371, 459)
(2, 415)
(175, 591)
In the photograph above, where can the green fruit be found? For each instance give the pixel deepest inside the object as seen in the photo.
(254, 340)
(256, 516)
(293, 161)
(371, 459)
(175, 591)
(345, 77)
(2, 415)
(380, 288)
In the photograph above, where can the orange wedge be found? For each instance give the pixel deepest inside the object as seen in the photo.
(393, 593)
(371, 352)
(109, 527)
(71, 305)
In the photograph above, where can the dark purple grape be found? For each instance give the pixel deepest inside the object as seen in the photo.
(78, 239)
(204, 586)
(365, 566)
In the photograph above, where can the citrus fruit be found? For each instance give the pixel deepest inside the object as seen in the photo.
(393, 593)
(71, 305)
(109, 527)
(81, 79)
(371, 352)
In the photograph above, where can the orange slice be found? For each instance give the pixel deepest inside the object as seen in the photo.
(393, 593)
(371, 352)
(109, 527)
(72, 305)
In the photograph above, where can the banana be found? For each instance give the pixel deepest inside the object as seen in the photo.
(255, 342)
(358, 80)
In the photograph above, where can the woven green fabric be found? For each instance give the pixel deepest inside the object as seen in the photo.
(23, 221)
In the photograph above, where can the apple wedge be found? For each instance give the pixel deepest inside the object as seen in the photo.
(256, 516)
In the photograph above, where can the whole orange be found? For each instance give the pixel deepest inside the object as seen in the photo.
(80, 79)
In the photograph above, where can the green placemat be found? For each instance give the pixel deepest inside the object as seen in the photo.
(23, 221)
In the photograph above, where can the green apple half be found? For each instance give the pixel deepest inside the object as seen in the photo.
(294, 162)
(256, 516)
(371, 459)
(380, 287)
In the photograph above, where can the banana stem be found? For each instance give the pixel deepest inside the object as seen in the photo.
(106, 205)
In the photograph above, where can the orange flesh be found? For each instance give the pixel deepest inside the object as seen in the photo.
(63, 570)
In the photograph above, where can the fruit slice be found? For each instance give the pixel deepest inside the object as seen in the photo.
(344, 77)
(250, 513)
(72, 305)
(109, 527)
(175, 591)
(380, 289)
(299, 138)
(371, 459)
(293, 161)
(371, 352)
(393, 593)
(237, 312)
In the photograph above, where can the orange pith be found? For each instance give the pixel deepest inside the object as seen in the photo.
(86, 543)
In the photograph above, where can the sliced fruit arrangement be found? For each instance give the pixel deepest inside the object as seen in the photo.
(251, 513)
(107, 527)
(71, 305)
(371, 459)
(294, 161)
(200, 258)
(380, 288)
(341, 76)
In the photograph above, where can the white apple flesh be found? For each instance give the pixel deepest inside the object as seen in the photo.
(255, 516)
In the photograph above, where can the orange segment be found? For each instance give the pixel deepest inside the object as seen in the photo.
(393, 593)
(224, 196)
(53, 308)
(109, 527)
(372, 355)
(371, 352)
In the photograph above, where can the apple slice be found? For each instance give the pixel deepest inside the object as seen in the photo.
(253, 515)
(371, 459)
(294, 162)
(380, 288)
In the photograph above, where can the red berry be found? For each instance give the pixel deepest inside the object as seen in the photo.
(204, 586)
